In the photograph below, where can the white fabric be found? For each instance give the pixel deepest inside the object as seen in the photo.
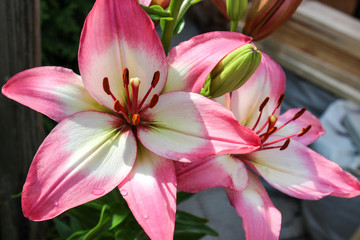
(337, 218)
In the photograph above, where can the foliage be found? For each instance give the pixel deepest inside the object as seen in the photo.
(61, 23)
(110, 218)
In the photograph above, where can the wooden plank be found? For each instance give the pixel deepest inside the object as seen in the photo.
(20, 127)
(328, 25)
(347, 6)
(293, 59)
(322, 45)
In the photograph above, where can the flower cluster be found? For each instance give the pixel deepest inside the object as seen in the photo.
(135, 120)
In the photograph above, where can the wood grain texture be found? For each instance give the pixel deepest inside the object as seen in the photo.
(20, 127)
(321, 45)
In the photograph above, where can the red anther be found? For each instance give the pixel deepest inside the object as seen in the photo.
(117, 106)
(136, 119)
(281, 98)
(155, 80)
(154, 100)
(125, 77)
(261, 108)
(304, 130)
(263, 104)
(271, 131)
(298, 114)
(106, 86)
(285, 145)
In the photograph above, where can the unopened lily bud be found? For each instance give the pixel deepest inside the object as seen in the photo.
(232, 71)
(265, 16)
(236, 9)
(163, 3)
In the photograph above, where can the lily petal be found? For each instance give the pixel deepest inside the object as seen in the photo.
(83, 158)
(150, 191)
(111, 40)
(261, 220)
(215, 171)
(145, 2)
(267, 81)
(302, 173)
(54, 91)
(296, 126)
(192, 61)
(188, 125)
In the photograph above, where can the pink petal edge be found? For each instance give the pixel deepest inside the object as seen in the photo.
(307, 119)
(192, 61)
(54, 91)
(302, 173)
(215, 171)
(150, 191)
(83, 158)
(261, 220)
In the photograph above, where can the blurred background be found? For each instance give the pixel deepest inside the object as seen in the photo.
(319, 48)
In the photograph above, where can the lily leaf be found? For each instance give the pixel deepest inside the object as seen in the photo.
(186, 222)
(111, 217)
(183, 196)
(157, 13)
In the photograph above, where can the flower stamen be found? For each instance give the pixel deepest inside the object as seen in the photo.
(126, 85)
(130, 109)
(296, 116)
(285, 145)
(136, 119)
(262, 105)
(106, 87)
(154, 82)
(304, 130)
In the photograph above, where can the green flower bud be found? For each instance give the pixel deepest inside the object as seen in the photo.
(236, 9)
(232, 71)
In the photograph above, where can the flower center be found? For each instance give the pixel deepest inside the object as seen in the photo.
(271, 123)
(134, 106)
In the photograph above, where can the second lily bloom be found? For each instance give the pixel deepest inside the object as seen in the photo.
(283, 160)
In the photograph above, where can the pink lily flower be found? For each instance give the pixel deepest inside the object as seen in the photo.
(116, 128)
(284, 161)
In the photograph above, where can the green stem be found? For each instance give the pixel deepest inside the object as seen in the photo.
(168, 30)
(234, 25)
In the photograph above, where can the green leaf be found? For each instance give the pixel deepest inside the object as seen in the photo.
(77, 235)
(111, 216)
(102, 225)
(156, 12)
(186, 222)
(62, 228)
(188, 235)
(119, 215)
(195, 2)
(183, 196)
(179, 27)
(16, 195)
